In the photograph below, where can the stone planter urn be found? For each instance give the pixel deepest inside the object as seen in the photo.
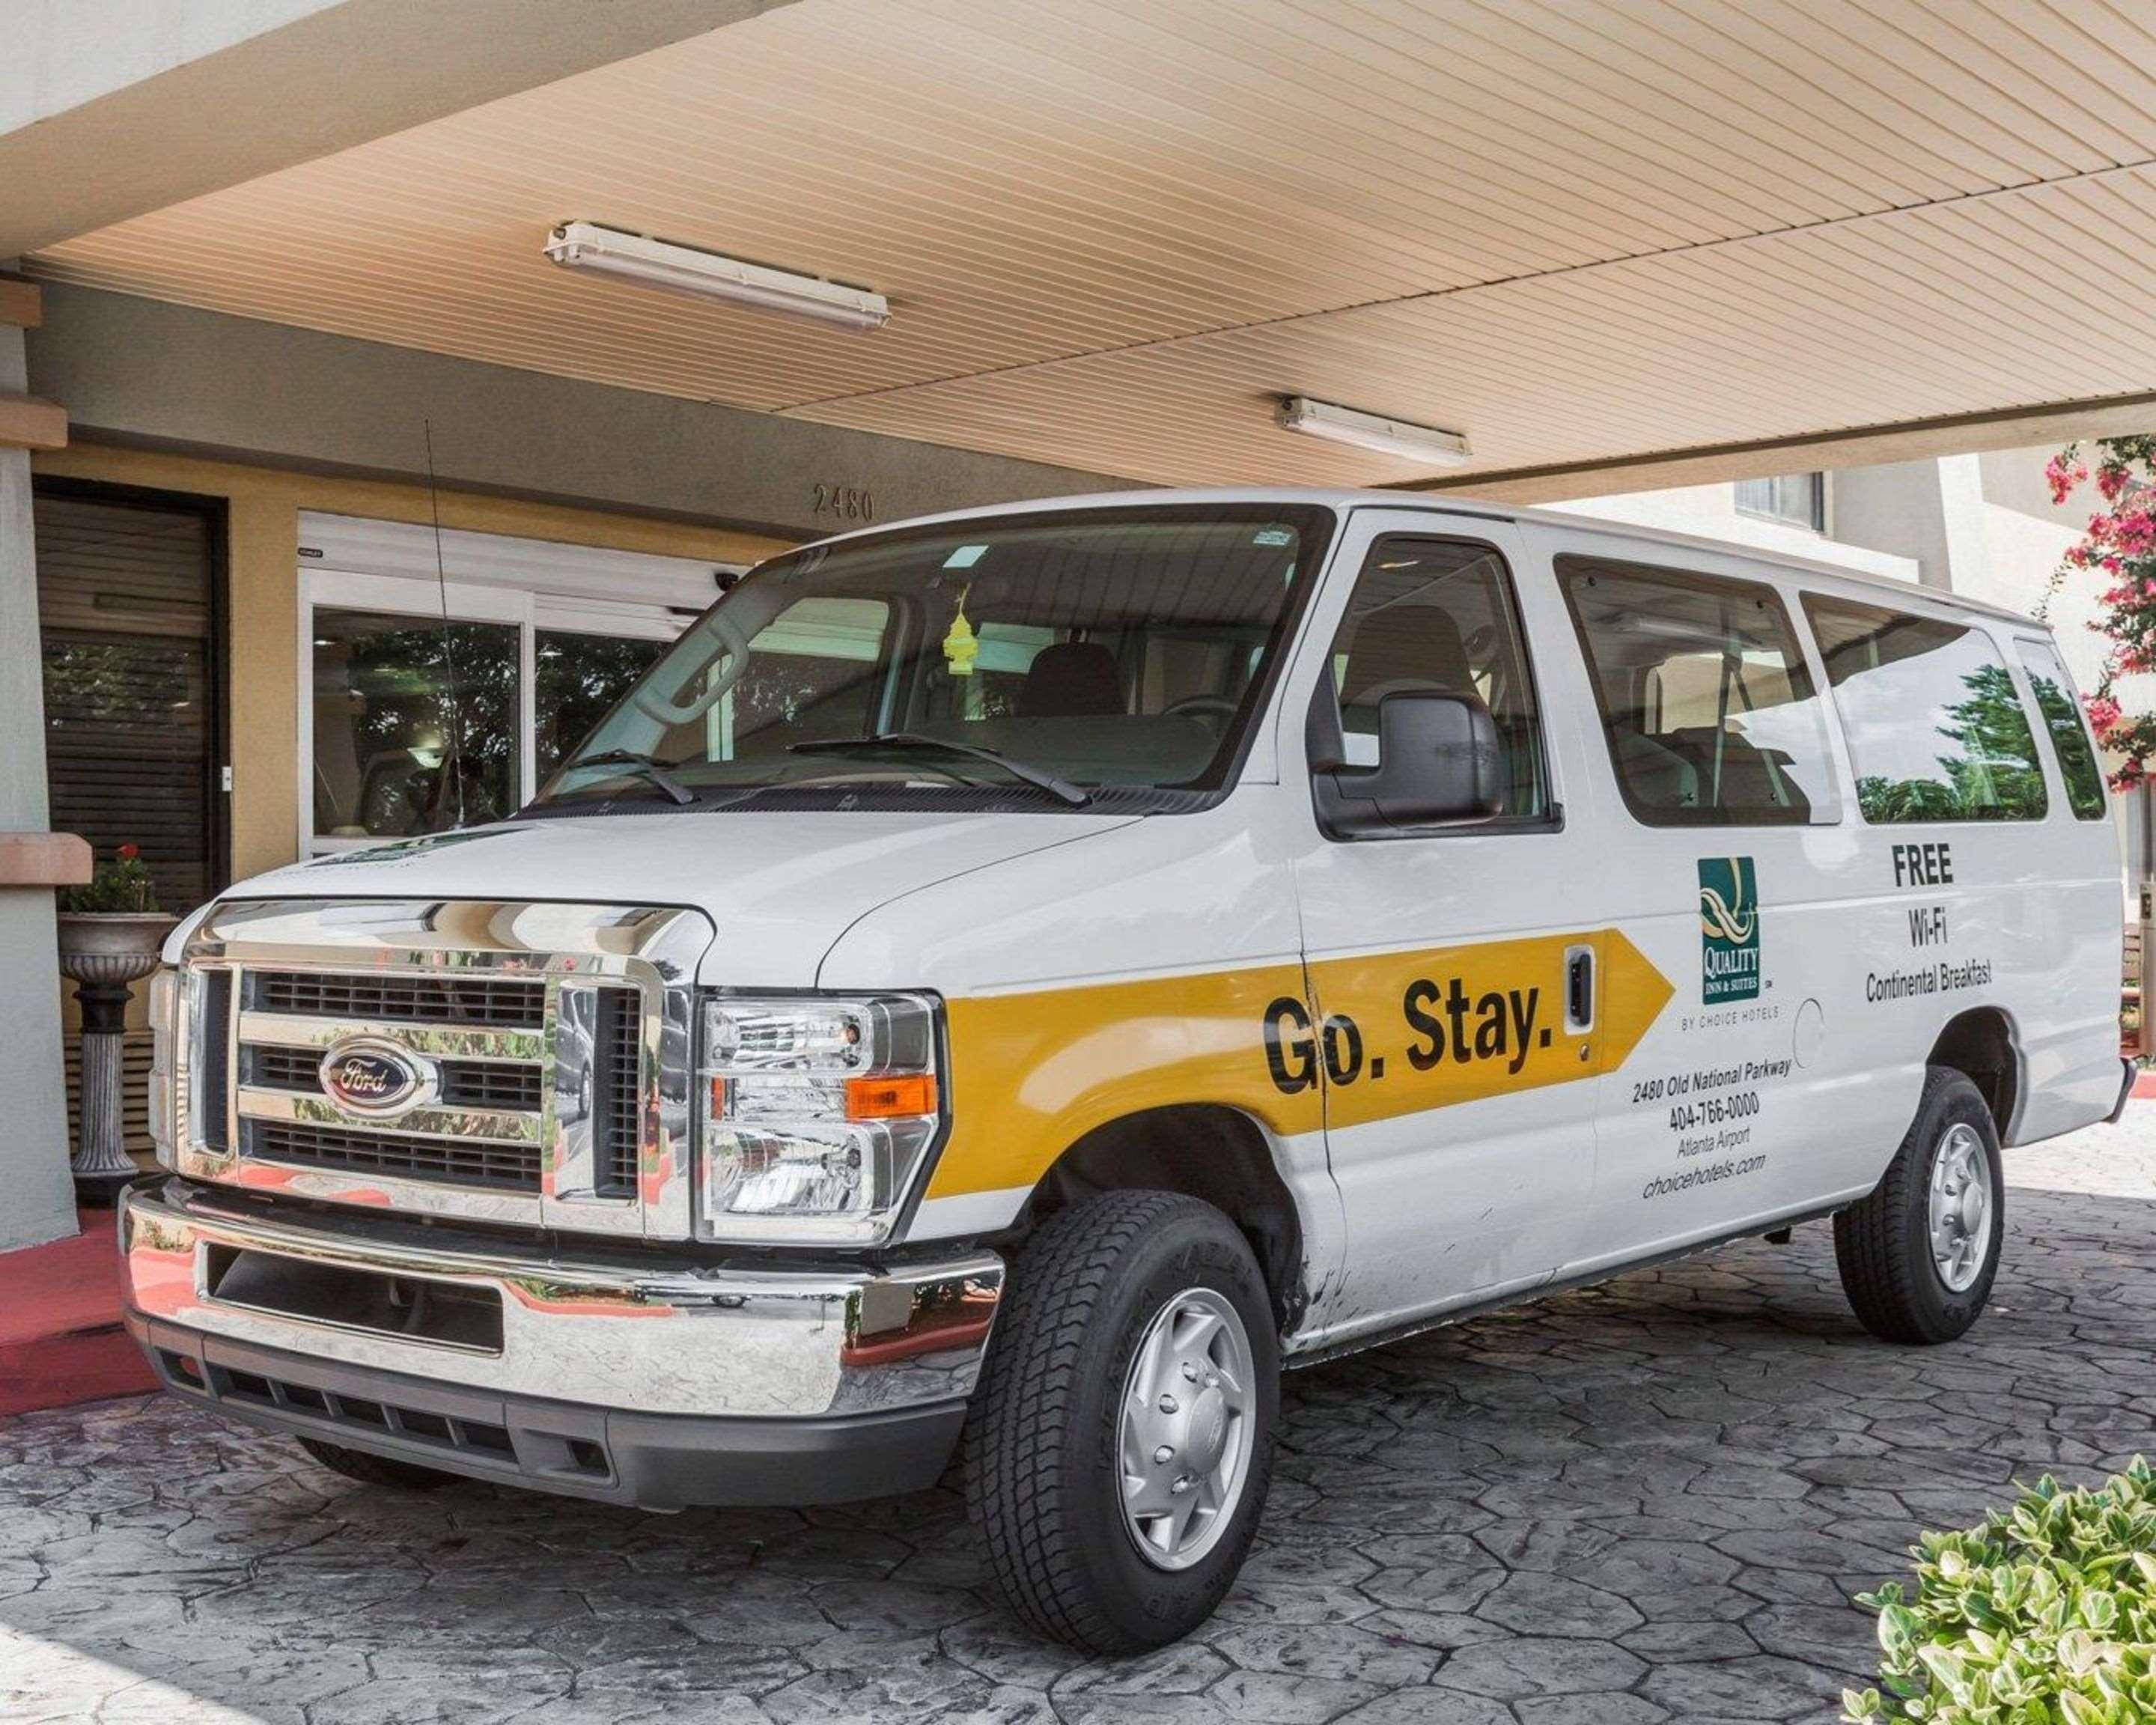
(102, 952)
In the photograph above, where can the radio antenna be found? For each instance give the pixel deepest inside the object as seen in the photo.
(456, 725)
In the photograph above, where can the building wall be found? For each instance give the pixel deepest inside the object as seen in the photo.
(38, 1203)
(1711, 512)
(263, 504)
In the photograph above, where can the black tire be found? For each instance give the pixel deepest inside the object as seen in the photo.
(1883, 1245)
(375, 1469)
(1042, 1472)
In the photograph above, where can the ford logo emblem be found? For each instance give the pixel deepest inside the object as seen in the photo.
(368, 1075)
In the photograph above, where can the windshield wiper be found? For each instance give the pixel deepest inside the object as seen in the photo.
(642, 765)
(900, 741)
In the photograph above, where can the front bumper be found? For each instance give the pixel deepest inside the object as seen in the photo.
(619, 1375)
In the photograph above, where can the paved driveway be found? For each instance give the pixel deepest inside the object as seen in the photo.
(1646, 1501)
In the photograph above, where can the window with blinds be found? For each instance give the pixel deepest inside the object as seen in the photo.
(127, 613)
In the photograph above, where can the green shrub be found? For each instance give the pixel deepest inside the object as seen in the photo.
(2045, 1615)
(123, 884)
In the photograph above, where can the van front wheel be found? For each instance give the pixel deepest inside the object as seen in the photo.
(1917, 1256)
(1121, 1442)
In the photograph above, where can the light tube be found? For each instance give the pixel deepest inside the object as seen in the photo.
(1370, 431)
(684, 269)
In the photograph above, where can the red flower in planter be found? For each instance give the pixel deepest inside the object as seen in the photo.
(128, 853)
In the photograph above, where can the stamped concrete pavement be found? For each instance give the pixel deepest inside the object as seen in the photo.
(1647, 1502)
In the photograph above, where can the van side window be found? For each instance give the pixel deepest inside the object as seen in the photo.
(1705, 700)
(2069, 740)
(1436, 616)
(1936, 730)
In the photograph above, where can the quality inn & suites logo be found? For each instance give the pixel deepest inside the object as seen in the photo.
(1728, 929)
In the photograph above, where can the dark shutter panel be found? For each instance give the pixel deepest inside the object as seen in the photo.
(125, 596)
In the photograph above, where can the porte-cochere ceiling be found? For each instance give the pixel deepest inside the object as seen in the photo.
(1115, 232)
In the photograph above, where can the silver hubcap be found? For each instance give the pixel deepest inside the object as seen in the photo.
(1185, 1434)
(1960, 1207)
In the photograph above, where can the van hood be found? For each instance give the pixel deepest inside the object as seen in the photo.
(780, 888)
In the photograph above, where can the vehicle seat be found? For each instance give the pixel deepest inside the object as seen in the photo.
(1418, 648)
(1655, 774)
(1748, 779)
(1403, 648)
(1071, 679)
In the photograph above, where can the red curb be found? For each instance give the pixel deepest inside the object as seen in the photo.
(60, 1339)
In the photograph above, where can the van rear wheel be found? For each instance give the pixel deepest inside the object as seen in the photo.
(1121, 1442)
(1918, 1256)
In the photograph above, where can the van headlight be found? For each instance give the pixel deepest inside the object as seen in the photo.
(814, 1113)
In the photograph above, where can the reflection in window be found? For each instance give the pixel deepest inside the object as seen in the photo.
(2062, 718)
(394, 754)
(1936, 729)
(576, 678)
(811, 672)
(1121, 647)
(1710, 712)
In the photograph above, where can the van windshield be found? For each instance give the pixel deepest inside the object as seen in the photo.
(1043, 659)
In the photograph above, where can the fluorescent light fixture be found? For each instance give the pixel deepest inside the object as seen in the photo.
(1370, 431)
(659, 263)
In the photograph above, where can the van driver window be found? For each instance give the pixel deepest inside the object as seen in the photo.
(1436, 616)
(1708, 707)
(1936, 730)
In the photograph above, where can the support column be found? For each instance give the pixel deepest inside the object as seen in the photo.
(37, 1200)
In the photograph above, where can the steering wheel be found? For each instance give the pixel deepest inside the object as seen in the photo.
(734, 651)
(1221, 708)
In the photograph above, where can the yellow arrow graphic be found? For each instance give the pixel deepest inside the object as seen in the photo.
(1391, 1033)
(1402, 1032)
(1634, 994)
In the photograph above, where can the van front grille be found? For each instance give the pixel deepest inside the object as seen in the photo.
(513, 1086)
(617, 1090)
(460, 1162)
(513, 1064)
(499, 1003)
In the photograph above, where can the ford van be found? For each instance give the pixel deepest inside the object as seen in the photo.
(1001, 989)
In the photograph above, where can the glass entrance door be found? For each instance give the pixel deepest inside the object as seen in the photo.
(427, 706)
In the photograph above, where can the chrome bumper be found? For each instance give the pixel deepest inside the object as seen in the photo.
(608, 1331)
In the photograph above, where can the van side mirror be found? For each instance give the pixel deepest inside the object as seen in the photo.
(1439, 760)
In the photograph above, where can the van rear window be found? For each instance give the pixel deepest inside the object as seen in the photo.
(2062, 716)
(1936, 731)
(1709, 709)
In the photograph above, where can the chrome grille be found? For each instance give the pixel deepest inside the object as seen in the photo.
(465, 1084)
(514, 1004)
(510, 1167)
(510, 1062)
(618, 1127)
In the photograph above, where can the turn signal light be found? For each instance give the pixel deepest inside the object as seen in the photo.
(890, 1097)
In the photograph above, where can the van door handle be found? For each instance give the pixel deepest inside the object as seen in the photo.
(1578, 990)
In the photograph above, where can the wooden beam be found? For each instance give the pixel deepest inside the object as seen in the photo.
(43, 859)
(28, 422)
(21, 304)
(1857, 446)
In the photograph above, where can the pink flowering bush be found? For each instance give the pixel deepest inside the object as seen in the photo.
(2120, 543)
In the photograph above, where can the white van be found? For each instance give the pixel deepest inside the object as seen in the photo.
(1006, 985)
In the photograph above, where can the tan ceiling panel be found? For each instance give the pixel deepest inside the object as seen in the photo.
(1783, 336)
(1113, 230)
